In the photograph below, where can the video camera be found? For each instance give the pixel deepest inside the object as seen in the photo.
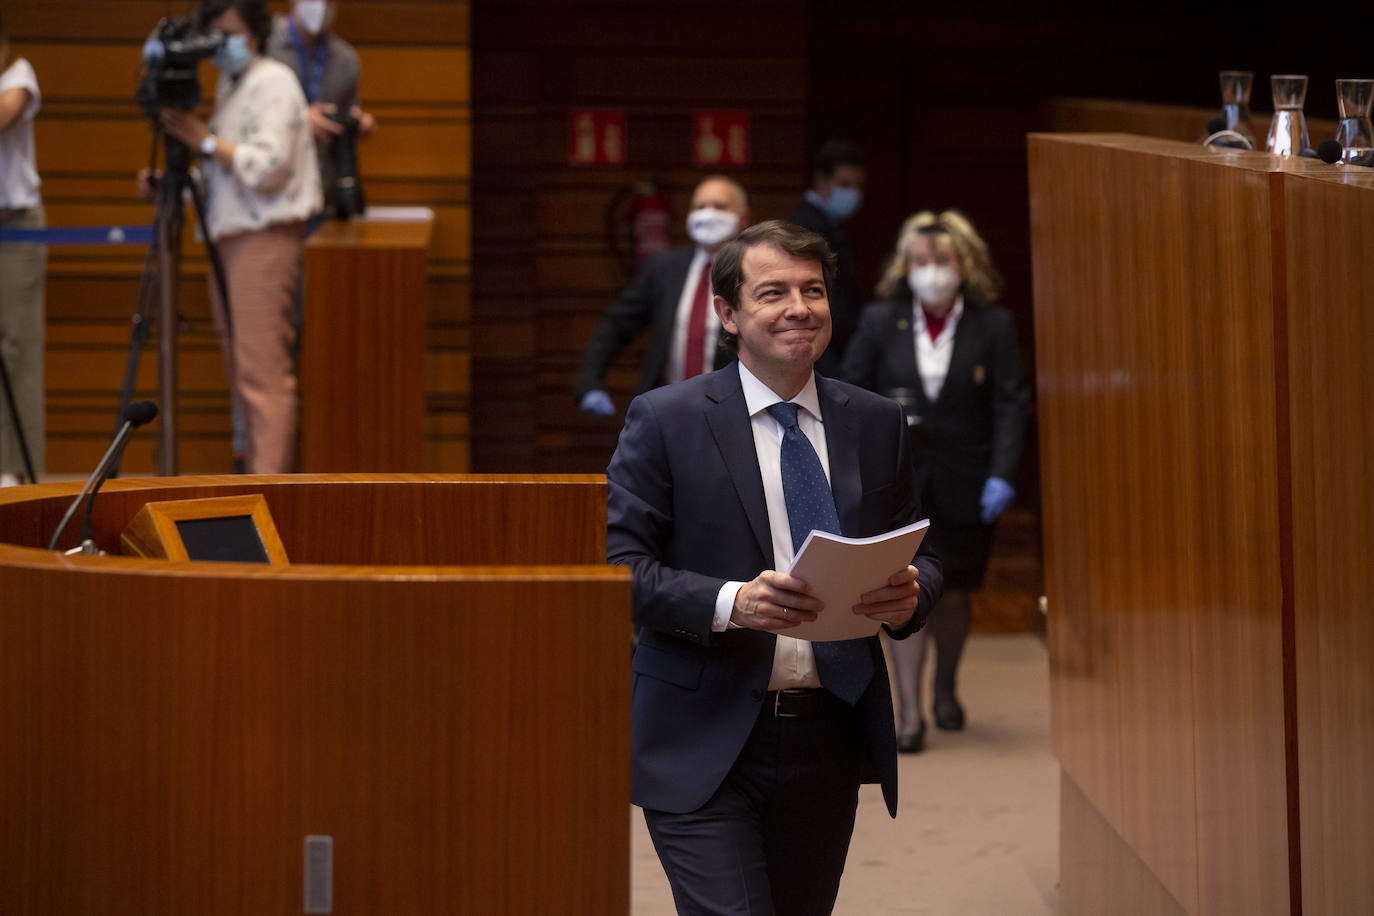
(171, 62)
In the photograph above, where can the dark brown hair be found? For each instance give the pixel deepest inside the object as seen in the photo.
(253, 13)
(727, 267)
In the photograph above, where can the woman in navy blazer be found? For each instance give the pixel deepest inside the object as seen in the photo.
(938, 345)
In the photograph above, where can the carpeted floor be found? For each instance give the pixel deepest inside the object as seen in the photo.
(978, 825)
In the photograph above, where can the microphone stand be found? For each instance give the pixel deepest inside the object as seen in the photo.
(96, 479)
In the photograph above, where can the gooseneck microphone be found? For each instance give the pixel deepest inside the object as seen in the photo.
(134, 416)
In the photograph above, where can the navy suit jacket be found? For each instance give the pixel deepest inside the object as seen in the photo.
(687, 513)
(650, 301)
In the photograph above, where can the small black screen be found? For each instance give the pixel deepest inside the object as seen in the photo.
(233, 539)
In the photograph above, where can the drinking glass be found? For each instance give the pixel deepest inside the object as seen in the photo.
(1288, 130)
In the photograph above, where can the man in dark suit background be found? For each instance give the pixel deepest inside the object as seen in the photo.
(749, 746)
(836, 192)
(671, 295)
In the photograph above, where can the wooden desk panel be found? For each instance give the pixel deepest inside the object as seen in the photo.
(1157, 401)
(174, 730)
(178, 740)
(1331, 351)
(362, 357)
(360, 519)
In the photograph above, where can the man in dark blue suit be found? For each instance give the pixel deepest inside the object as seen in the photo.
(749, 746)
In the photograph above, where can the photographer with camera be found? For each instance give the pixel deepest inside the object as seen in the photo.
(261, 183)
(327, 67)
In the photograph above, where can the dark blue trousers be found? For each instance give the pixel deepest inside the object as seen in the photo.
(772, 840)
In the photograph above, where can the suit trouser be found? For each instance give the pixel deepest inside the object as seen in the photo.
(23, 267)
(261, 270)
(773, 838)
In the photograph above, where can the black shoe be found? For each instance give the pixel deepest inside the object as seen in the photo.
(912, 742)
(949, 715)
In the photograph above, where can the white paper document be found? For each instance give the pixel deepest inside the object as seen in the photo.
(840, 570)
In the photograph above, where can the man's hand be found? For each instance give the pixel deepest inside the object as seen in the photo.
(321, 125)
(774, 601)
(366, 122)
(894, 603)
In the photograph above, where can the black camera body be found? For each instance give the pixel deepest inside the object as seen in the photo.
(171, 65)
(347, 193)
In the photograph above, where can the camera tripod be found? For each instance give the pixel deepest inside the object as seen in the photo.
(159, 283)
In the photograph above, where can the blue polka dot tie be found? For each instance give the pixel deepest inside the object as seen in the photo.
(846, 666)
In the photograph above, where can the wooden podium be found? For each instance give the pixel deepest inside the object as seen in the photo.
(362, 358)
(1204, 342)
(458, 725)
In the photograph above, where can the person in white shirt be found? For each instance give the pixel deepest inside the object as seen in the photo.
(23, 266)
(939, 346)
(262, 182)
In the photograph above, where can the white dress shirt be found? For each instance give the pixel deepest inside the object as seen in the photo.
(932, 357)
(794, 663)
(678, 346)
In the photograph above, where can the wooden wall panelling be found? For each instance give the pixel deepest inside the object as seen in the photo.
(546, 272)
(1160, 474)
(1330, 349)
(91, 138)
(1099, 872)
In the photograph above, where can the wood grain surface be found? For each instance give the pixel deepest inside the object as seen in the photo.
(362, 378)
(1330, 352)
(1157, 364)
(176, 729)
(361, 519)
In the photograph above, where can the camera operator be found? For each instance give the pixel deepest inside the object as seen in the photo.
(261, 182)
(327, 67)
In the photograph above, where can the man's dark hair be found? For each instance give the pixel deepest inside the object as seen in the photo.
(835, 153)
(253, 13)
(727, 266)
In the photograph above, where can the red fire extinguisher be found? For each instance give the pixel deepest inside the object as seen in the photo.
(643, 209)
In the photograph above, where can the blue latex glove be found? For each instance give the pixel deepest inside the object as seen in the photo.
(597, 403)
(997, 495)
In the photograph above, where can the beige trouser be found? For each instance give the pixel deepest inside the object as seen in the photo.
(261, 270)
(22, 273)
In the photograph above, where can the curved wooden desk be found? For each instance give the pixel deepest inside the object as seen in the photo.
(173, 731)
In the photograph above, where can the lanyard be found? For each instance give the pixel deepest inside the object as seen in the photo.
(312, 77)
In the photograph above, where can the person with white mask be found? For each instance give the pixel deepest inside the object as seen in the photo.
(836, 193)
(328, 70)
(937, 344)
(261, 183)
(671, 295)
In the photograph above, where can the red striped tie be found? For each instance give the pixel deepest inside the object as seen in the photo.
(693, 357)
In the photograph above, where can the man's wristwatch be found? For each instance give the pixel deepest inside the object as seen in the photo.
(209, 145)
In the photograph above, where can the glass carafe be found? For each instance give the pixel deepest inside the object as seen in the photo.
(1235, 102)
(1355, 133)
(1288, 130)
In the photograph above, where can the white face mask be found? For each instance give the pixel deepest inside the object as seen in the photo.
(933, 284)
(709, 226)
(311, 14)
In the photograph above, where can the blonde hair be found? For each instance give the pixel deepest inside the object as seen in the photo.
(975, 261)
